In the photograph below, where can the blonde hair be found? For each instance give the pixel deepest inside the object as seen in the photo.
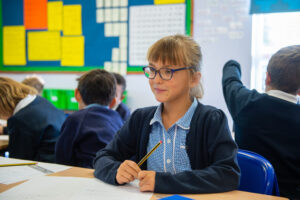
(11, 93)
(178, 50)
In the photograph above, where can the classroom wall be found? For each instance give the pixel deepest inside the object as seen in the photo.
(223, 30)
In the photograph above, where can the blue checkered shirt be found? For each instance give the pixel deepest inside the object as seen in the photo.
(171, 155)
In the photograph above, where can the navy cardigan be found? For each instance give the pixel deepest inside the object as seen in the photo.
(33, 131)
(210, 147)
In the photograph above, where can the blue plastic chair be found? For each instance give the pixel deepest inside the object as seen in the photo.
(257, 174)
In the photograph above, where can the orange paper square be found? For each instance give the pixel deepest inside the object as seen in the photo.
(35, 14)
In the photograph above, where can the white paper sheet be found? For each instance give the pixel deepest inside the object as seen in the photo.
(99, 3)
(100, 15)
(115, 54)
(69, 188)
(53, 167)
(13, 174)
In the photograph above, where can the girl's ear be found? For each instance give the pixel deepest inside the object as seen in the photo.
(195, 79)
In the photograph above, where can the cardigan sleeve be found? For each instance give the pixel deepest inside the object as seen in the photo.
(121, 148)
(221, 172)
(235, 93)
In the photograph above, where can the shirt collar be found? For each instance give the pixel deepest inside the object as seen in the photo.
(24, 102)
(157, 115)
(183, 122)
(95, 105)
(283, 95)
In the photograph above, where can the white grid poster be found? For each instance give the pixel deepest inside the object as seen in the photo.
(147, 24)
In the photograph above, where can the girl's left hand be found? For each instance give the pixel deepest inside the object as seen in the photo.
(147, 181)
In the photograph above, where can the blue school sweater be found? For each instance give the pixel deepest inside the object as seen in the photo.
(124, 111)
(33, 131)
(84, 133)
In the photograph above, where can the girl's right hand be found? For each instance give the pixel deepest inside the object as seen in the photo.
(127, 172)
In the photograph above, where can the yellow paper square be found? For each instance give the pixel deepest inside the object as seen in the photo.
(72, 51)
(168, 1)
(44, 46)
(72, 20)
(54, 13)
(14, 52)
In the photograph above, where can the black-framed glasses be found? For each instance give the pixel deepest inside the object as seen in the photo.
(164, 73)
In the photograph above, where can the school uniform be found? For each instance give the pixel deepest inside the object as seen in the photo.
(268, 124)
(210, 150)
(84, 133)
(33, 129)
(124, 111)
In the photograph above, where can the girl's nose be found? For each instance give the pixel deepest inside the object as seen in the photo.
(157, 78)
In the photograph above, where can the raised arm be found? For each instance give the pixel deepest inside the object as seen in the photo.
(235, 93)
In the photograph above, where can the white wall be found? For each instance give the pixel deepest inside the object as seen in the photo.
(223, 30)
(54, 81)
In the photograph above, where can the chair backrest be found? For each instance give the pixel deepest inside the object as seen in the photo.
(257, 174)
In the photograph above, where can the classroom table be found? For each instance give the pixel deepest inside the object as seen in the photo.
(233, 195)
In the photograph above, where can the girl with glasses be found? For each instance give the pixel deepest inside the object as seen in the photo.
(197, 154)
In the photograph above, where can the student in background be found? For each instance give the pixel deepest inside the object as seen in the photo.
(198, 154)
(88, 130)
(35, 82)
(269, 123)
(33, 123)
(32, 81)
(121, 108)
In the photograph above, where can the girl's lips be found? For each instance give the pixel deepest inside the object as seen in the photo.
(159, 90)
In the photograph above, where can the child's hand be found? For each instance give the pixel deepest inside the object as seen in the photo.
(127, 172)
(147, 181)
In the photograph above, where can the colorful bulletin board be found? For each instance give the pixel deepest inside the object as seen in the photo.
(79, 35)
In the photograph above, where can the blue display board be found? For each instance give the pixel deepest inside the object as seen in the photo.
(97, 46)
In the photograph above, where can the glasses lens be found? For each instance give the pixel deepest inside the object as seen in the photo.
(149, 72)
(166, 73)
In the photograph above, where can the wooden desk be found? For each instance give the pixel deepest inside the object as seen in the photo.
(4, 141)
(233, 195)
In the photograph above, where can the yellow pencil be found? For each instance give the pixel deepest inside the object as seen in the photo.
(149, 154)
(17, 164)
